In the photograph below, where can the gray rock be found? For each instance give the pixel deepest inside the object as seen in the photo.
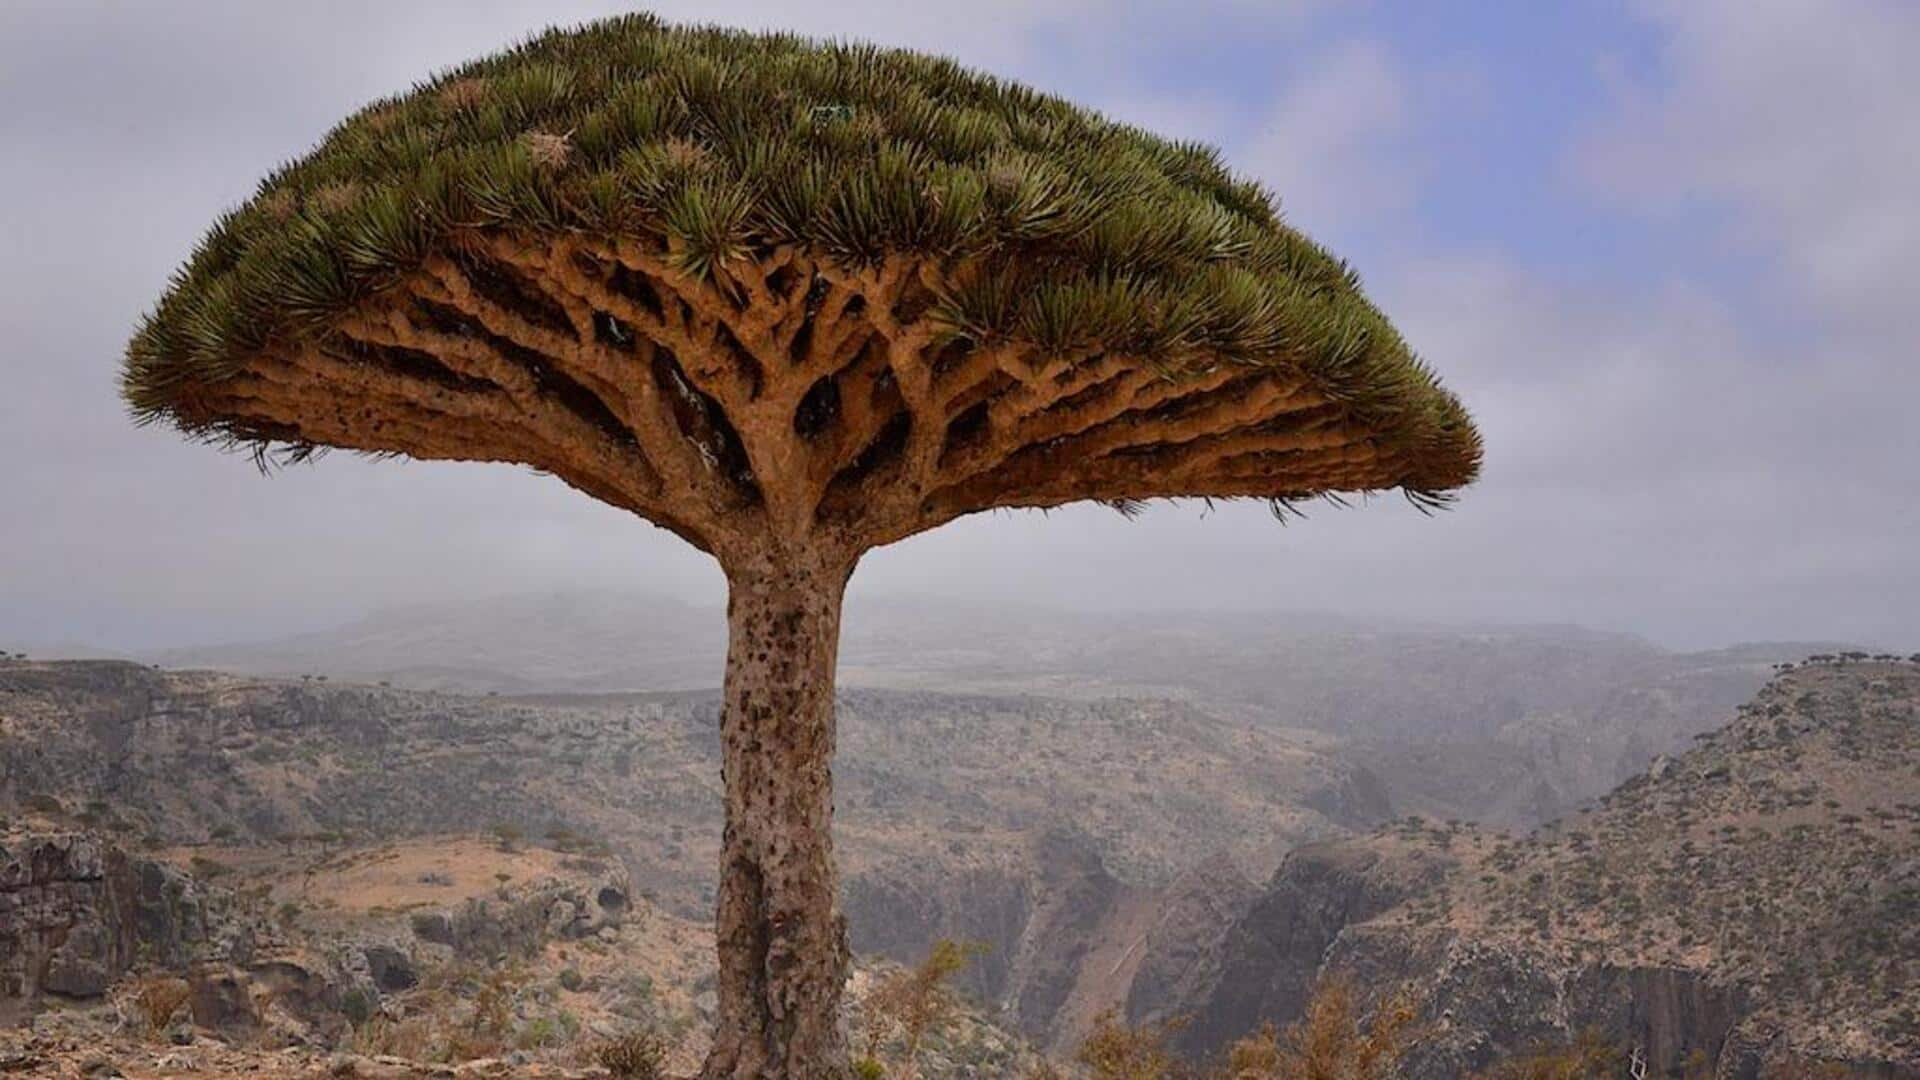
(75, 912)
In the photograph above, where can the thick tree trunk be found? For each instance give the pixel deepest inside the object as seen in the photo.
(782, 939)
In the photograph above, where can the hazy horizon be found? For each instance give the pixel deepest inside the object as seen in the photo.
(1663, 252)
(709, 610)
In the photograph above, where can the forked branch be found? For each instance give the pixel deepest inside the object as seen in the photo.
(782, 401)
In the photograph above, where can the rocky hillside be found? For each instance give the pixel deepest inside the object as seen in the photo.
(1752, 903)
(1041, 827)
(404, 959)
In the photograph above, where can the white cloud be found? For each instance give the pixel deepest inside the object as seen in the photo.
(1799, 118)
(1655, 460)
(1332, 144)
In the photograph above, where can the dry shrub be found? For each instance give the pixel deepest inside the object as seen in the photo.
(637, 1055)
(916, 1002)
(487, 1028)
(416, 1038)
(1330, 1042)
(157, 1000)
(1257, 1055)
(1114, 1051)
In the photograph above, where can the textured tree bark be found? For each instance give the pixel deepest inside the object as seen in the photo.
(782, 939)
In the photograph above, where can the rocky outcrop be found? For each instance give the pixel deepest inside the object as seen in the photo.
(76, 913)
(1353, 797)
(511, 922)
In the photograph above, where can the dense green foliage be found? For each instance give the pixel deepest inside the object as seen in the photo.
(1062, 229)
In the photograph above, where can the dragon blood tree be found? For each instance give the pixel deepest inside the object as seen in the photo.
(791, 301)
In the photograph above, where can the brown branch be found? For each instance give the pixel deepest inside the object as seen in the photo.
(1355, 465)
(534, 261)
(954, 389)
(476, 359)
(784, 400)
(384, 419)
(1164, 413)
(648, 411)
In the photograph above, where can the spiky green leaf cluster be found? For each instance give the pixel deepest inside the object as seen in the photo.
(719, 144)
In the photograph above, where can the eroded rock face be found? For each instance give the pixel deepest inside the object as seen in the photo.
(76, 913)
(1185, 948)
(1488, 1001)
(1482, 1001)
(1039, 913)
(1745, 906)
(1266, 963)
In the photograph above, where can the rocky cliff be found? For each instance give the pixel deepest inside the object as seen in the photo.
(77, 913)
(1752, 904)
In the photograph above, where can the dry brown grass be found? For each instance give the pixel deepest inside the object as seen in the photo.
(416, 1038)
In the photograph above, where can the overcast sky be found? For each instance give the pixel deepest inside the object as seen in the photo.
(1667, 252)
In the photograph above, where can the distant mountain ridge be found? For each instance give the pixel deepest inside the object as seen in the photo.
(589, 642)
(1509, 725)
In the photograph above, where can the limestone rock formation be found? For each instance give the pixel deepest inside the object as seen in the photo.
(76, 913)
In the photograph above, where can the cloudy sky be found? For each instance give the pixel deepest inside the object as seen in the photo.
(1667, 252)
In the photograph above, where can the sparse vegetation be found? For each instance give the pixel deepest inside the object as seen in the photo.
(1809, 793)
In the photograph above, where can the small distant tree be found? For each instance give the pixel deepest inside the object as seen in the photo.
(508, 835)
